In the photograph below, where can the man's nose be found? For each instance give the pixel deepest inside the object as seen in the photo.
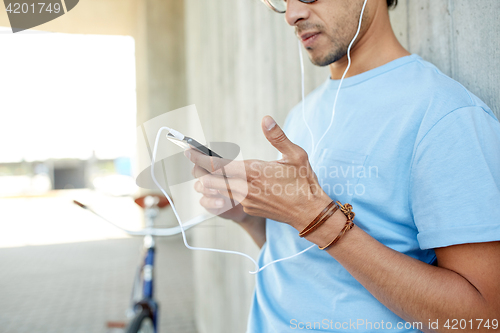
(296, 11)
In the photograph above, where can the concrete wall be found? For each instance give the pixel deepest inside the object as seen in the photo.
(161, 38)
(242, 64)
(460, 37)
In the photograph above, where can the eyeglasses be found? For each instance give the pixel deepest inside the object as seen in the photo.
(279, 6)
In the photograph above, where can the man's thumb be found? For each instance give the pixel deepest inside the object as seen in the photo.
(277, 137)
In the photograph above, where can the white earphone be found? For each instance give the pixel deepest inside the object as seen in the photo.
(180, 137)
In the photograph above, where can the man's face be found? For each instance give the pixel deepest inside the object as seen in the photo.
(326, 27)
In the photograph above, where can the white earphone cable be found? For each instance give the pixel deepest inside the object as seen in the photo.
(313, 151)
(302, 74)
(158, 135)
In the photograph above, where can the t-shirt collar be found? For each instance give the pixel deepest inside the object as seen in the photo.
(356, 79)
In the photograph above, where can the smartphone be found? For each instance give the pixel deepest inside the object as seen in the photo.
(188, 142)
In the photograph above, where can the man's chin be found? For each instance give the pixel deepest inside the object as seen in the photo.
(320, 61)
(324, 60)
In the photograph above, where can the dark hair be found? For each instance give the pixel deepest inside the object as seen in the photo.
(392, 3)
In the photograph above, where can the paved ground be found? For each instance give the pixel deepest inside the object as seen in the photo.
(78, 287)
(64, 271)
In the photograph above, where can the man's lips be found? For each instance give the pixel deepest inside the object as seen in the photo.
(308, 35)
(309, 38)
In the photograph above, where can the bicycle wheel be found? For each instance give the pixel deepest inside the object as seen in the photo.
(142, 323)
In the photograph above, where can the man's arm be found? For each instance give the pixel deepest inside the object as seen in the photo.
(465, 285)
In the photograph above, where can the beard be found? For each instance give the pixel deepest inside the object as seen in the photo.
(338, 39)
(335, 49)
(334, 54)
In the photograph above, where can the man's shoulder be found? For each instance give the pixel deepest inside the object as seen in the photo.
(437, 95)
(410, 78)
(423, 81)
(410, 87)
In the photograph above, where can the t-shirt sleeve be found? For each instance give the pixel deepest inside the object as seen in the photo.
(455, 180)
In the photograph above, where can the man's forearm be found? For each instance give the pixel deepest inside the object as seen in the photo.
(416, 291)
(256, 228)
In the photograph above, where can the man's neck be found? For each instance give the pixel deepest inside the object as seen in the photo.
(376, 47)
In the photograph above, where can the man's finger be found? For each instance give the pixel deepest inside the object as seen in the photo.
(198, 187)
(212, 203)
(275, 135)
(235, 196)
(217, 166)
(225, 184)
(198, 172)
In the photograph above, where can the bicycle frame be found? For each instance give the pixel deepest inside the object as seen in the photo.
(144, 280)
(142, 299)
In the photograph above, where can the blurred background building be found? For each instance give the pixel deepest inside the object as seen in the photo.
(73, 91)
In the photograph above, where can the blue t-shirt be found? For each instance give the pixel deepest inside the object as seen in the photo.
(417, 156)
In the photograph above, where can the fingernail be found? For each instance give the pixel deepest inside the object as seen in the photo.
(269, 123)
(187, 154)
(219, 202)
(213, 191)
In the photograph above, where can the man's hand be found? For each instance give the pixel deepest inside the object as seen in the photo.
(286, 190)
(214, 202)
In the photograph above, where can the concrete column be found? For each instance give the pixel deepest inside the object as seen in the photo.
(242, 63)
(161, 74)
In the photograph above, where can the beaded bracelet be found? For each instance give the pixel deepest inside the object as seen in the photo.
(347, 210)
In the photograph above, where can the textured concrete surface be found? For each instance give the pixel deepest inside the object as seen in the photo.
(242, 64)
(460, 37)
(78, 287)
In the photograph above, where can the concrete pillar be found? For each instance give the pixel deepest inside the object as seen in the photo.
(242, 63)
(161, 73)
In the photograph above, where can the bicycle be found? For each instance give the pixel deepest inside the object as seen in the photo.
(143, 310)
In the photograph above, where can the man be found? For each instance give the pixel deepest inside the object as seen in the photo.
(413, 152)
